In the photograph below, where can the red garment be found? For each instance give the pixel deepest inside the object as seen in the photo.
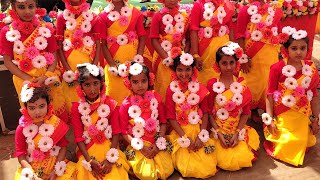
(198, 9)
(136, 24)
(170, 104)
(124, 115)
(78, 126)
(6, 47)
(95, 24)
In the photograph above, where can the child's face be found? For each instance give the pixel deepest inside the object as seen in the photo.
(91, 88)
(170, 3)
(25, 10)
(298, 50)
(184, 73)
(139, 84)
(227, 64)
(38, 109)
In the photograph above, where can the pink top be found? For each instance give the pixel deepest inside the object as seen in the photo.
(6, 47)
(78, 126)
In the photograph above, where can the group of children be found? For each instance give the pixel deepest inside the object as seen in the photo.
(190, 116)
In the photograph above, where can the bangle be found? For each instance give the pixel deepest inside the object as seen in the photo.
(91, 159)
(195, 56)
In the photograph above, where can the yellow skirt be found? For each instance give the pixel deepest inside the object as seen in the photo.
(257, 78)
(99, 152)
(189, 163)
(209, 59)
(69, 174)
(160, 167)
(292, 139)
(233, 159)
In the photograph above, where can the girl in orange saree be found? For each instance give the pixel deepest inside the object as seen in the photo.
(123, 37)
(292, 103)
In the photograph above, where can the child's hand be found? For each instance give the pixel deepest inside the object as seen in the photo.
(146, 152)
(222, 140)
(191, 146)
(245, 67)
(272, 128)
(234, 140)
(106, 167)
(198, 144)
(40, 80)
(154, 150)
(52, 176)
(314, 127)
(199, 63)
(96, 169)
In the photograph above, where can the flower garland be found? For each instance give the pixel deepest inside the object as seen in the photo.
(148, 103)
(122, 17)
(77, 9)
(22, 26)
(226, 105)
(122, 39)
(299, 7)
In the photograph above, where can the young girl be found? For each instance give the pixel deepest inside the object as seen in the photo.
(211, 25)
(292, 116)
(28, 47)
(40, 140)
(143, 126)
(79, 42)
(168, 34)
(186, 108)
(123, 40)
(257, 34)
(229, 109)
(96, 128)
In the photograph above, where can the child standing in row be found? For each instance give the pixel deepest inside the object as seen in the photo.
(95, 120)
(292, 116)
(143, 126)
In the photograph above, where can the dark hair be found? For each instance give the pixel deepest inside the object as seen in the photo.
(39, 93)
(13, 1)
(220, 54)
(84, 74)
(145, 70)
(291, 39)
(177, 62)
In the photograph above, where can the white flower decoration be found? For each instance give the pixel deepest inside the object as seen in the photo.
(167, 19)
(306, 70)
(288, 100)
(274, 31)
(134, 111)
(18, 47)
(55, 150)
(243, 59)
(102, 124)
(109, 8)
(167, 61)
(126, 11)
(204, 135)
(113, 71)
(166, 45)
(138, 59)
(266, 119)
(139, 121)
(13, 35)
(108, 132)
(69, 76)
(51, 80)
(84, 108)
(154, 104)
(184, 142)
(288, 30)
(60, 167)
(221, 100)
(207, 32)
(41, 43)
(46, 130)
(242, 134)
(179, 27)
(306, 82)
(86, 137)
(221, 12)
(66, 45)
(168, 29)
(103, 110)
(71, 24)
(256, 35)
(39, 62)
(236, 87)
(86, 26)
(289, 71)
(269, 20)
(222, 114)
(237, 98)
(179, 18)
(186, 59)
(218, 87)
(193, 117)
(112, 155)
(135, 69)
(67, 15)
(87, 15)
(26, 174)
(271, 12)
(30, 131)
(154, 114)
(26, 94)
(223, 30)
(193, 99)
(209, 5)
(207, 14)
(309, 95)
(122, 39)
(93, 69)
(291, 83)
(174, 86)
(178, 97)
(45, 144)
(161, 143)
(193, 86)
(44, 32)
(256, 18)
(137, 143)
(137, 131)
(114, 16)
(253, 9)
(227, 51)
(87, 41)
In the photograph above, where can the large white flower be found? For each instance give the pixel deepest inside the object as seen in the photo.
(84, 108)
(288, 100)
(256, 18)
(55, 150)
(112, 155)
(266, 119)
(71, 24)
(139, 121)
(30, 131)
(154, 104)
(26, 174)
(51, 80)
(137, 131)
(309, 95)
(222, 114)
(167, 19)
(30, 144)
(174, 86)
(243, 59)
(161, 143)
(102, 124)
(221, 100)
(291, 83)
(137, 143)
(103, 110)
(207, 32)
(274, 31)
(289, 71)
(13, 35)
(86, 137)
(45, 144)
(67, 15)
(108, 132)
(306, 70)
(86, 165)
(179, 18)
(209, 5)
(242, 134)
(126, 11)
(204, 135)
(221, 12)
(122, 39)
(168, 29)
(154, 114)
(288, 30)
(269, 20)
(166, 45)
(184, 142)
(253, 9)
(87, 41)
(223, 30)
(93, 69)
(66, 45)
(46, 130)
(193, 86)
(134, 111)
(135, 69)
(26, 95)
(218, 87)
(193, 99)
(179, 27)
(178, 97)
(113, 71)
(114, 16)
(306, 82)
(256, 35)
(236, 87)
(237, 99)
(86, 120)
(299, 34)
(69, 76)
(41, 43)
(60, 168)
(18, 47)
(271, 12)
(39, 62)
(186, 59)
(227, 51)
(86, 26)
(87, 15)
(138, 59)
(44, 32)
(207, 14)
(123, 70)
(193, 117)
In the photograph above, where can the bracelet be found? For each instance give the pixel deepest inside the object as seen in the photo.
(161, 143)
(195, 56)
(204, 136)
(60, 168)
(266, 119)
(112, 155)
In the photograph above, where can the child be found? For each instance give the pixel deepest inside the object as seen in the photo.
(257, 34)
(79, 42)
(40, 140)
(292, 116)
(229, 109)
(123, 40)
(96, 128)
(143, 126)
(186, 108)
(210, 28)
(168, 34)
(28, 47)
